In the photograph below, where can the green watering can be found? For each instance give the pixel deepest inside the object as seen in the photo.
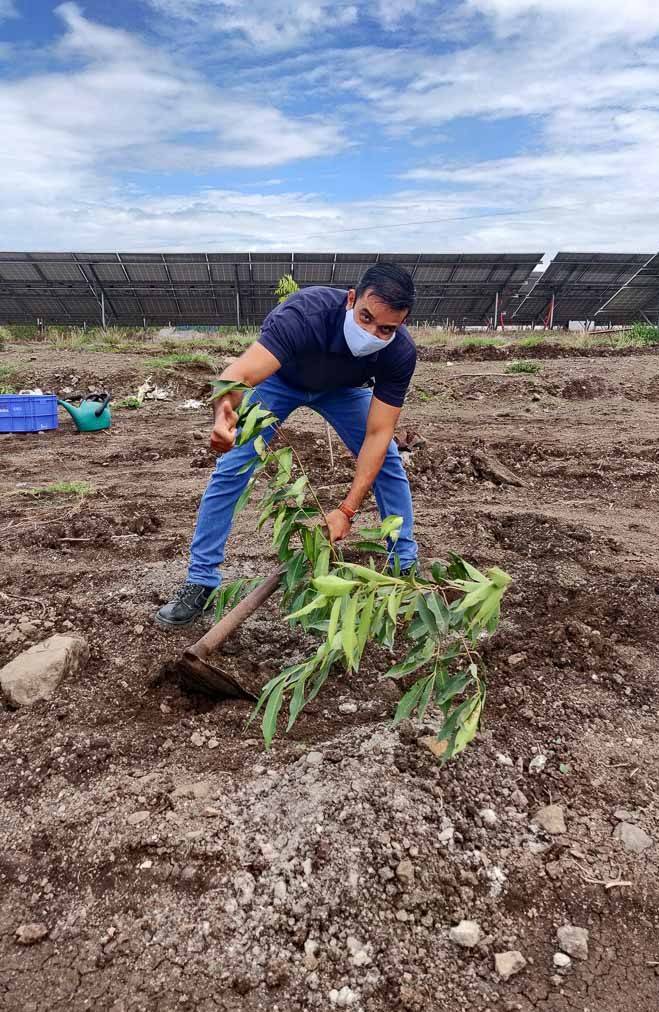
(92, 414)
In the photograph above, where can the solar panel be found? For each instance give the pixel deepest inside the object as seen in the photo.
(238, 287)
(638, 297)
(575, 285)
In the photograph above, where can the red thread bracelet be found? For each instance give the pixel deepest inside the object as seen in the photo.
(347, 511)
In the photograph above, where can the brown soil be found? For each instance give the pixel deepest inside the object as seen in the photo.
(245, 856)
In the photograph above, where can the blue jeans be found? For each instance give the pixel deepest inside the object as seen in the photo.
(346, 410)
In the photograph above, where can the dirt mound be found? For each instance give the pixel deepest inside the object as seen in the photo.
(584, 388)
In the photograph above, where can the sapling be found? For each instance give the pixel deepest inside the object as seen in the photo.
(436, 621)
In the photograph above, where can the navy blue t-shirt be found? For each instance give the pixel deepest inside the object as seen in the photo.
(305, 334)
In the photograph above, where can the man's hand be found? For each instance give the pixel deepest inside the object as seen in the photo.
(338, 526)
(223, 436)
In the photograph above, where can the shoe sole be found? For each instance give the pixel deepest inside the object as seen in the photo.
(162, 623)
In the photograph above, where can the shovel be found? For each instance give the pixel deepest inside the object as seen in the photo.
(199, 673)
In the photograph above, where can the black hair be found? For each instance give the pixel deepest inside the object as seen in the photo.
(390, 283)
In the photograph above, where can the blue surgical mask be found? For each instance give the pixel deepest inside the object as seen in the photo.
(359, 341)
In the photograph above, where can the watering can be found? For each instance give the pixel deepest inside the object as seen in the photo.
(92, 414)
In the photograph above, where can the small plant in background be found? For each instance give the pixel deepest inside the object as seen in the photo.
(523, 367)
(75, 488)
(436, 622)
(128, 402)
(530, 342)
(644, 334)
(9, 377)
(196, 359)
(481, 342)
(287, 286)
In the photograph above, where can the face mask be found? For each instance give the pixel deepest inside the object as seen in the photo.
(359, 341)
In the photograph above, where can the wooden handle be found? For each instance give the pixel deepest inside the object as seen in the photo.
(216, 636)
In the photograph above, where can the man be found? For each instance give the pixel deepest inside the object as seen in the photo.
(322, 348)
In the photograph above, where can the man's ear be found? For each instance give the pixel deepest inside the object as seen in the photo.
(351, 298)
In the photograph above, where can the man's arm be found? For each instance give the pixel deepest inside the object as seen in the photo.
(253, 366)
(380, 427)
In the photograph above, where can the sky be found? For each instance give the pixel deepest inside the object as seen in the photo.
(410, 126)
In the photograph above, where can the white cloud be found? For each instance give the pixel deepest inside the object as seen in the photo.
(128, 106)
(267, 24)
(7, 10)
(591, 19)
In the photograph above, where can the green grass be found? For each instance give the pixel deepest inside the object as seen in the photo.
(523, 367)
(481, 342)
(197, 359)
(9, 379)
(530, 342)
(644, 334)
(77, 488)
(127, 402)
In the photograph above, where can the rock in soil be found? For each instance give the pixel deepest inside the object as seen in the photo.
(30, 934)
(466, 933)
(551, 819)
(35, 674)
(573, 940)
(633, 838)
(562, 961)
(507, 964)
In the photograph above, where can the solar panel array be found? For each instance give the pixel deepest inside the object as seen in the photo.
(239, 288)
(576, 286)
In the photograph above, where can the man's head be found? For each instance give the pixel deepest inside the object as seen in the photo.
(382, 300)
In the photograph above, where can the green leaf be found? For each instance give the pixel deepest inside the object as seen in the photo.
(371, 575)
(364, 628)
(335, 614)
(408, 702)
(469, 728)
(393, 604)
(440, 613)
(223, 387)
(439, 572)
(370, 546)
(297, 700)
(272, 709)
(244, 498)
(449, 690)
(322, 562)
(426, 615)
(416, 658)
(284, 466)
(248, 466)
(318, 602)
(297, 489)
(348, 633)
(390, 526)
(370, 533)
(333, 586)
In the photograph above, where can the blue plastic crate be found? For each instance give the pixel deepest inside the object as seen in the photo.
(27, 412)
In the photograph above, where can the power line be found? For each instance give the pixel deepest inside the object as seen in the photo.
(435, 221)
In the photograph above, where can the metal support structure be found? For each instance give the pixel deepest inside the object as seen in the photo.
(131, 283)
(496, 312)
(238, 314)
(552, 307)
(171, 285)
(103, 310)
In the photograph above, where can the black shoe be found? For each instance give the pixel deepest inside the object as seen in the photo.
(186, 605)
(415, 569)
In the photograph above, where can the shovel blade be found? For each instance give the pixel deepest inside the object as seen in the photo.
(202, 676)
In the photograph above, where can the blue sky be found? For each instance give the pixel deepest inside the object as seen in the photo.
(429, 125)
